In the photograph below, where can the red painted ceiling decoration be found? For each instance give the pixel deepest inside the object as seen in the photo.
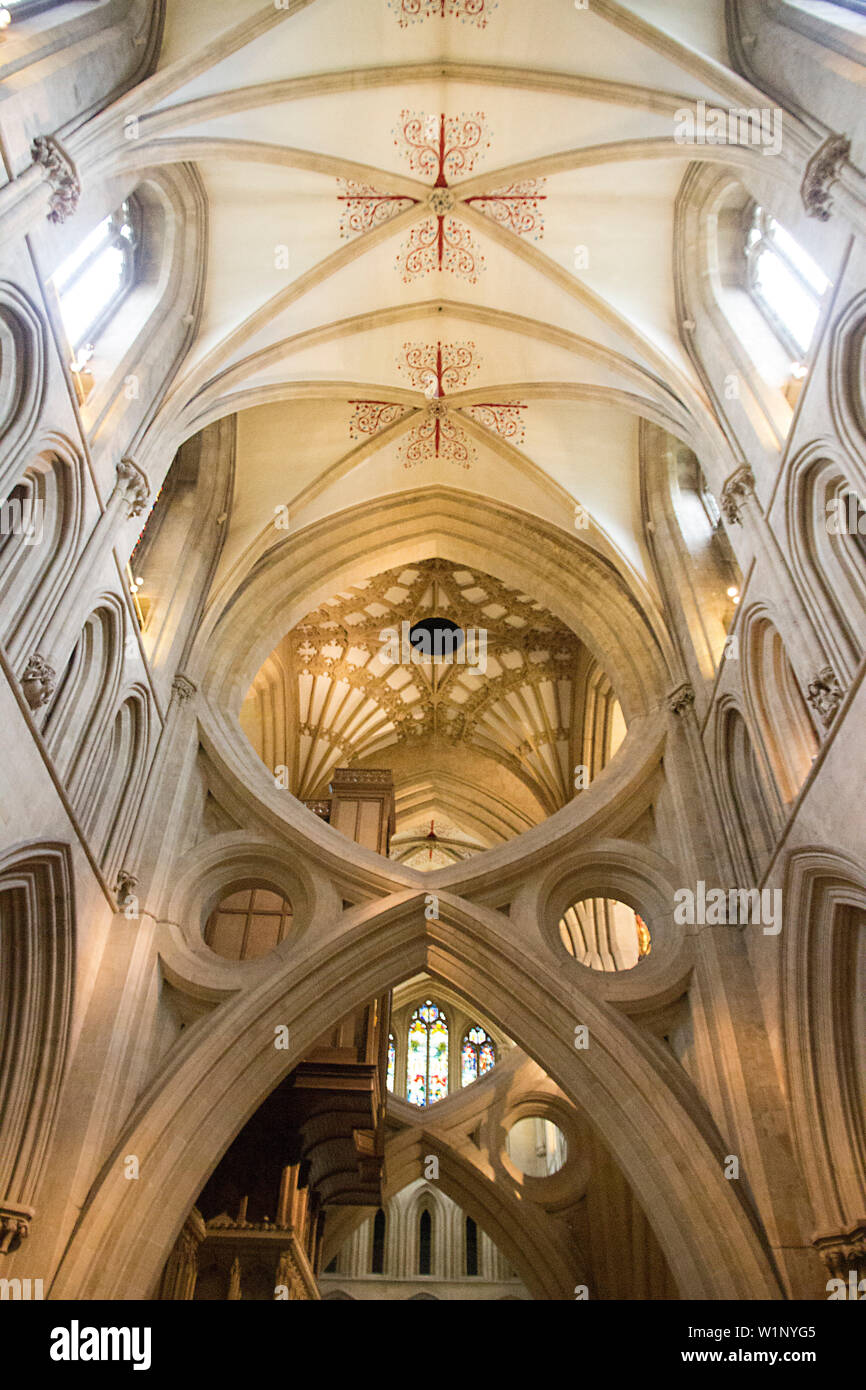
(438, 436)
(515, 207)
(365, 207)
(371, 416)
(440, 243)
(437, 369)
(503, 419)
(440, 148)
(475, 12)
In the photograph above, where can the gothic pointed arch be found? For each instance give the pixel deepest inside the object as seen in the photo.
(37, 967)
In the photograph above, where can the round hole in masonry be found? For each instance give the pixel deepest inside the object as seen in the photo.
(537, 1147)
(436, 638)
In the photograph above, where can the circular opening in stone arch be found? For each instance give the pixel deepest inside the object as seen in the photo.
(536, 1146)
(605, 934)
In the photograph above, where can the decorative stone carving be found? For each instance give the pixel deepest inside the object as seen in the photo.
(844, 1252)
(289, 1275)
(825, 694)
(442, 201)
(60, 173)
(739, 487)
(182, 688)
(437, 408)
(822, 171)
(124, 888)
(133, 483)
(682, 699)
(14, 1225)
(38, 681)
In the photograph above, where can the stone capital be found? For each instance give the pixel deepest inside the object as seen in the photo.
(844, 1251)
(822, 171)
(38, 681)
(737, 489)
(133, 485)
(60, 173)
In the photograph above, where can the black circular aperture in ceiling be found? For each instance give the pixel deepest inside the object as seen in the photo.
(436, 637)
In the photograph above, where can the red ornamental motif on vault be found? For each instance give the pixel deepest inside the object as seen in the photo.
(437, 369)
(441, 148)
(371, 416)
(468, 11)
(364, 207)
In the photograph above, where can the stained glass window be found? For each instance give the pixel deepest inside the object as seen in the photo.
(392, 1062)
(427, 1063)
(477, 1055)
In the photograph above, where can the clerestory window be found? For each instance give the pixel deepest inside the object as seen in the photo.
(94, 280)
(784, 282)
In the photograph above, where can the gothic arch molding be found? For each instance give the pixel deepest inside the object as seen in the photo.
(666, 1147)
(826, 915)
(23, 364)
(295, 575)
(37, 956)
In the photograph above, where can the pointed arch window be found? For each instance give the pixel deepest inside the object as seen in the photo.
(784, 282)
(378, 1264)
(94, 280)
(425, 1243)
(471, 1248)
(392, 1062)
(427, 1063)
(477, 1055)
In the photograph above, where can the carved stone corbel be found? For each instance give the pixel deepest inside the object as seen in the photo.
(14, 1225)
(822, 171)
(38, 682)
(739, 487)
(182, 688)
(825, 694)
(124, 888)
(60, 173)
(134, 486)
(682, 699)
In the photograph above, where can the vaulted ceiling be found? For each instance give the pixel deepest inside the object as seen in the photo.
(440, 253)
(504, 715)
(440, 248)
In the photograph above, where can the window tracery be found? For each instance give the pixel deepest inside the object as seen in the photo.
(427, 1063)
(477, 1055)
